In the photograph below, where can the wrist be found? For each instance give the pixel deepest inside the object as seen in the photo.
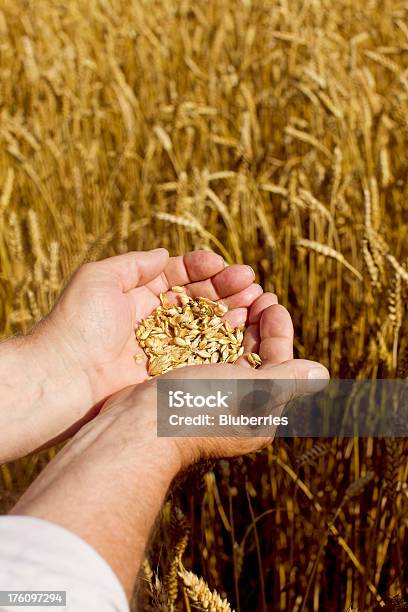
(58, 363)
(133, 417)
(43, 392)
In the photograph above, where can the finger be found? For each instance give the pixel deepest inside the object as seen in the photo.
(143, 303)
(244, 298)
(251, 339)
(134, 268)
(297, 370)
(260, 304)
(250, 344)
(252, 335)
(293, 379)
(276, 331)
(236, 317)
(226, 283)
(182, 270)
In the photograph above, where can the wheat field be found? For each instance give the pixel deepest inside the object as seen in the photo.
(274, 132)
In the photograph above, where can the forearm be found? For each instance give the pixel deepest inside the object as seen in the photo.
(107, 486)
(37, 384)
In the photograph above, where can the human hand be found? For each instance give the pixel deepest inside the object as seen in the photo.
(52, 380)
(121, 443)
(269, 333)
(95, 319)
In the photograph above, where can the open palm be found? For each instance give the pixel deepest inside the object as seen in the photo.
(97, 314)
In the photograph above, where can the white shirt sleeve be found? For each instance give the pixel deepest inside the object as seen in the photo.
(36, 555)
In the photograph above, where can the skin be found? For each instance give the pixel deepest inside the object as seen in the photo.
(116, 469)
(56, 379)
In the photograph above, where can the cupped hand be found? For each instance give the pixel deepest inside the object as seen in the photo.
(270, 334)
(95, 319)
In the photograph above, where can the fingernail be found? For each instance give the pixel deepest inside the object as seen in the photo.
(318, 373)
(159, 249)
(252, 270)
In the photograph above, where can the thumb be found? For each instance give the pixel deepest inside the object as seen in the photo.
(303, 376)
(135, 268)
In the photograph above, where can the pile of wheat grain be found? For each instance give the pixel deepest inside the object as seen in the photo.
(191, 333)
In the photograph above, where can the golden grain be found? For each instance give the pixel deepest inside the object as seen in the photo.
(190, 333)
(254, 360)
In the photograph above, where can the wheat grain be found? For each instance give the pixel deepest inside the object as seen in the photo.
(254, 360)
(192, 332)
(394, 302)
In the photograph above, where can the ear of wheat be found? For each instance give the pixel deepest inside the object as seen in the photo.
(180, 537)
(201, 595)
(327, 251)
